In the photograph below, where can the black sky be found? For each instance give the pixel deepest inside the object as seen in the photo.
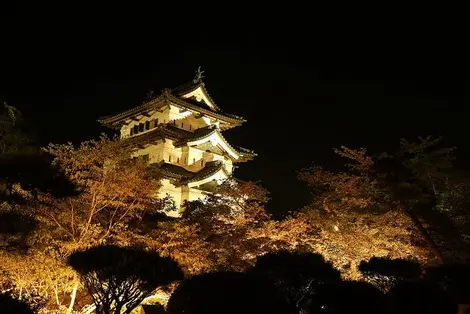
(304, 84)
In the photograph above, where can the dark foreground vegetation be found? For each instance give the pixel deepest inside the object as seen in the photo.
(79, 226)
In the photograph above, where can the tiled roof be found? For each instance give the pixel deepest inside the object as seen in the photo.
(184, 176)
(196, 135)
(187, 103)
(174, 96)
(157, 134)
(245, 151)
(211, 168)
(182, 137)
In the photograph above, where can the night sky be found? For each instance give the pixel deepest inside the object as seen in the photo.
(305, 85)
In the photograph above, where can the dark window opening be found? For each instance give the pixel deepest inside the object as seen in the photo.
(132, 131)
(178, 160)
(136, 129)
(169, 158)
(190, 127)
(194, 160)
(141, 127)
(202, 162)
(147, 125)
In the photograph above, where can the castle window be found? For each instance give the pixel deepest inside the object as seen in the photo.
(147, 125)
(185, 160)
(169, 158)
(136, 129)
(132, 131)
(194, 160)
(141, 127)
(177, 160)
(190, 127)
(202, 162)
(156, 123)
(174, 122)
(182, 124)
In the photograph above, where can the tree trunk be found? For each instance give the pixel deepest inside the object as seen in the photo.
(72, 298)
(425, 235)
(118, 308)
(56, 293)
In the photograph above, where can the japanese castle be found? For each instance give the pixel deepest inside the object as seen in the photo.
(179, 132)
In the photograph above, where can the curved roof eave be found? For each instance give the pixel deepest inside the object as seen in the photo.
(208, 178)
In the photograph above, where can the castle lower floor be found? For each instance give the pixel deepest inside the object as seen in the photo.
(180, 194)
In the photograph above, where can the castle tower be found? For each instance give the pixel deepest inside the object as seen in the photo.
(179, 132)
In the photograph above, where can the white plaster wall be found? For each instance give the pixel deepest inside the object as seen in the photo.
(196, 123)
(175, 114)
(228, 166)
(155, 152)
(194, 159)
(195, 194)
(175, 152)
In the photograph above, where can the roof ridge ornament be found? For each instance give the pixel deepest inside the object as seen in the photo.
(150, 94)
(198, 77)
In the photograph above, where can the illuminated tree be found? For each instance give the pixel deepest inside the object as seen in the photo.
(119, 278)
(182, 242)
(356, 187)
(40, 278)
(355, 216)
(226, 219)
(112, 189)
(422, 181)
(347, 238)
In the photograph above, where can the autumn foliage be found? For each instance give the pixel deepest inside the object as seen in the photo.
(360, 211)
(110, 191)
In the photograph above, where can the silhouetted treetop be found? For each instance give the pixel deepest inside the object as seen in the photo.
(13, 306)
(386, 272)
(227, 292)
(420, 297)
(347, 297)
(119, 278)
(296, 274)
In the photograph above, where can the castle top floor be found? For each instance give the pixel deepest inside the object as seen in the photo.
(188, 107)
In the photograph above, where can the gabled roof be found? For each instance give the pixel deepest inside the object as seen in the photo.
(197, 91)
(213, 134)
(185, 97)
